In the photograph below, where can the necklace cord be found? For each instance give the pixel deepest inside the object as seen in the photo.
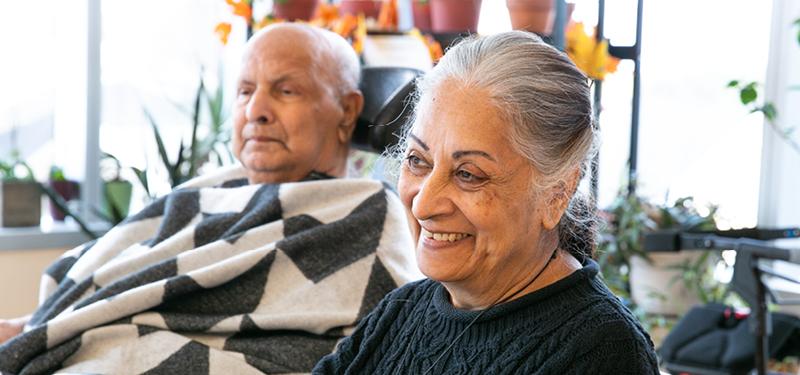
(497, 302)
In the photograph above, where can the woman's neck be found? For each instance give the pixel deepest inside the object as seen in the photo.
(465, 296)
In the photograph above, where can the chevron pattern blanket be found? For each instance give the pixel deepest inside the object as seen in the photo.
(220, 277)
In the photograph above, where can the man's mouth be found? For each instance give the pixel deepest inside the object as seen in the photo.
(441, 236)
(264, 139)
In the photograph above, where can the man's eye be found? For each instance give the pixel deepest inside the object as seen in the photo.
(244, 92)
(288, 91)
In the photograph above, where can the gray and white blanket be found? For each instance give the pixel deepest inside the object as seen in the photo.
(221, 277)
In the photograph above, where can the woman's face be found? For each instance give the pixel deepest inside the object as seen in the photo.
(476, 216)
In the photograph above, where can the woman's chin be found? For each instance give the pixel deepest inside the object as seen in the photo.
(439, 268)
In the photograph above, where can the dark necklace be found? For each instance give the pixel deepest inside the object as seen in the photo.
(499, 301)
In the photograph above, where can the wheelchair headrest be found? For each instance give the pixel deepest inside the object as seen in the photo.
(387, 106)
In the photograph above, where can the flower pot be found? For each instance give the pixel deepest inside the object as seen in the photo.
(455, 16)
(657, 287)
(20, 204)
(294, 9)
(370, 8)
(68, 190)
(422, 14)
(117, 200)
(532, 15)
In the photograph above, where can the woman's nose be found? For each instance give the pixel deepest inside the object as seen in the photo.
(259, 108)
(432, 200)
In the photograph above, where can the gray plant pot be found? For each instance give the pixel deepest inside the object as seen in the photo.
(20, 204)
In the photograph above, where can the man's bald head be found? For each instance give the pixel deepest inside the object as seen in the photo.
(331, 55)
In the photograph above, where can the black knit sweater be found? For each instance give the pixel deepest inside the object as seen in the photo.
(574, 326)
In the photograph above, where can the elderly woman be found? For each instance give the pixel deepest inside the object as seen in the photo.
(503, 127)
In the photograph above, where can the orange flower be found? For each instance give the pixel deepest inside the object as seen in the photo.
(434, 48)
(345, 25)
(387, 19)
(242, 9)
(327, 13)
(222, 30)
(589, 55)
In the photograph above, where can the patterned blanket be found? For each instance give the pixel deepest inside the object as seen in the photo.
(221, 277)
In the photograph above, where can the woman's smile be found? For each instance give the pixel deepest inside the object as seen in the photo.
(439, 240)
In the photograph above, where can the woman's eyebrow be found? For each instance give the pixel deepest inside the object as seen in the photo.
(421, 143)
(459, 154)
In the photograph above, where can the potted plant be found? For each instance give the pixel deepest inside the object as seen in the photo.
(294, 9)
(657, 283)
(422, 14)
(455, 16)
(671, 282)
(20, 197)
(116, 191)
(66, 189)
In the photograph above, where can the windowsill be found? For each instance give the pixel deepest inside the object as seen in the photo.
(49, 235)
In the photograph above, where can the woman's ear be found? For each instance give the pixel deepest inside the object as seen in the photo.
(560, 195)
(352, 104)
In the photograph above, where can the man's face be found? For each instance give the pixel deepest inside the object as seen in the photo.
(287, 116)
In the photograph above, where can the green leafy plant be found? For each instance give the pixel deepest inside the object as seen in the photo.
(57, 174)
(629, 218)
(190, 157)
(749, 97)
(16, 169)
(116, 207)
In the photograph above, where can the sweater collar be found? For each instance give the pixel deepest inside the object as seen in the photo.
(441, 298)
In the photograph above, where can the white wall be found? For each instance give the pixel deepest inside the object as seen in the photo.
(20, 272)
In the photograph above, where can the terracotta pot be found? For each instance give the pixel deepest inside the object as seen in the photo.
(455, 16)
(294, 9)
(532, 15)
(370, 8)
(422, 15)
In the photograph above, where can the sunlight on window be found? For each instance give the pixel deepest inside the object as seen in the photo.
(694, 137)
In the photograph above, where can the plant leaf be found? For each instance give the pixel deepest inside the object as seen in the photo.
(64, 207)
(162, 152)
(748, 94)
(142, 177)
(769, 111)
(733, 83)
(195, 123)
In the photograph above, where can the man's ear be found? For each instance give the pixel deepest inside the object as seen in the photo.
(558, 199)
(352, 104)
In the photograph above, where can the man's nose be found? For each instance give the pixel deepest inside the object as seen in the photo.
(259, 108)
(432, 200)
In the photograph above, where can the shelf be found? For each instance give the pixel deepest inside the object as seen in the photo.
(49, 235)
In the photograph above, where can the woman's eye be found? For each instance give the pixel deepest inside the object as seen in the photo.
(470, 178)
(415, 163)
(466, 176)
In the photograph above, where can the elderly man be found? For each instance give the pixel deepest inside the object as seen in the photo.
(258, 268)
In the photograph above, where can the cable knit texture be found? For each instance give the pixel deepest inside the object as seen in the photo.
(574, 326)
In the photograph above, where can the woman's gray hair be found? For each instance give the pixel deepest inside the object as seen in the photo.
(546, 100)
